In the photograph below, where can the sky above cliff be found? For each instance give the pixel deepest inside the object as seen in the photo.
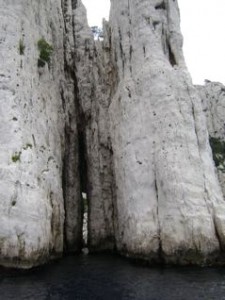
(202, 25)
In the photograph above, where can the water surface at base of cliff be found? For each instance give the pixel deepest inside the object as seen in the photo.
(111, 277)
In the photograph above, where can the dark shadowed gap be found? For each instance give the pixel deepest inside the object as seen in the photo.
(172, 58)
(161, 5)
(83, 184)
(71, 191)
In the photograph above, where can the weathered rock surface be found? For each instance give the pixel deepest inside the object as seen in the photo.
(118, 119)
(213, 101)
(169, 203)
(37, 133)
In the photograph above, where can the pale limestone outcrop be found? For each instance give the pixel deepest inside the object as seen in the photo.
(118, 119)
(169, 203)
(36, 127)
(213, 102)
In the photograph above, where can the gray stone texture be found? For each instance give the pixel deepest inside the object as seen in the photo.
(118, 119)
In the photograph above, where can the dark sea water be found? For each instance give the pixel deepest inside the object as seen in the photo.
(110, 277)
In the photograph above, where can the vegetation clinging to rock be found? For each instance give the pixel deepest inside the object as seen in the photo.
(45, 52)
(16, 157)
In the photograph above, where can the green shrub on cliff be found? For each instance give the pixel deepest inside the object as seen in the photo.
(45, 52)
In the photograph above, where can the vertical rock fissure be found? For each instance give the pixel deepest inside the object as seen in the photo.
(73, 162)
(83, 177)
(73, 222)
(82, 163)
(82, 146)
(75, 174)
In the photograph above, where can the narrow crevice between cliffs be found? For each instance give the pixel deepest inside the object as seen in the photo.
(81, 121)
(80, 176)
(83, 183)
(71, 193)
(75, 183)
(72, 183)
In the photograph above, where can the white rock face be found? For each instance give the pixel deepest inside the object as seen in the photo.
(119, 120)
(213, 99)
(33, 123)
(169, 203)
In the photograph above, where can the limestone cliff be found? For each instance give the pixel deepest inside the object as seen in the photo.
(118, 119)
(213, 102)
(168, 201)
(38, 132)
